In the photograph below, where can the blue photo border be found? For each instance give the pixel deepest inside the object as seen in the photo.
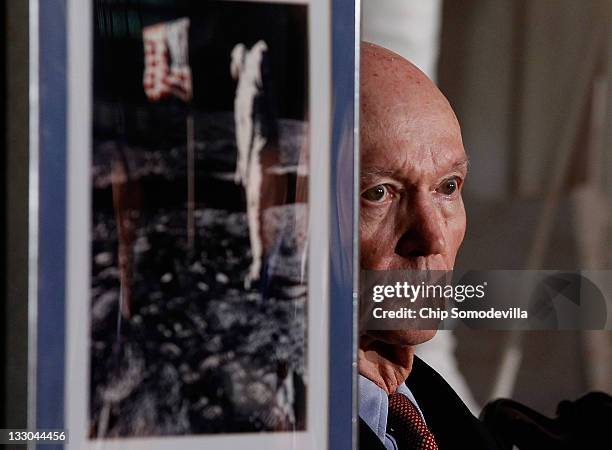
(48, 149)
(344, 204)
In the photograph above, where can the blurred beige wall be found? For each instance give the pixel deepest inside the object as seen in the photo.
(528, 82)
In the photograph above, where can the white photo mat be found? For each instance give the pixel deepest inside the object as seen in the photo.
(80, 82)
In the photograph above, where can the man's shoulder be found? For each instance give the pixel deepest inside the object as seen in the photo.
(423, 377)
(449, 419)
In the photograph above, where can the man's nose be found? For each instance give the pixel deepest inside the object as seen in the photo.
(424, 233)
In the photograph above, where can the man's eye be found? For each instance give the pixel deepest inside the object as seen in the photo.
(376, 194)
(449, 186)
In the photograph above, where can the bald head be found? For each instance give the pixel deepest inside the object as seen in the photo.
(394, 88)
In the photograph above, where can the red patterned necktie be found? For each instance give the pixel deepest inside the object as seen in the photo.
(407, 426)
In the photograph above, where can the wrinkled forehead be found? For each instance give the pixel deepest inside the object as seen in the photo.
(411, 141)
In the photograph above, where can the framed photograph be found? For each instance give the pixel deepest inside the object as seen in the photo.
(191, 284)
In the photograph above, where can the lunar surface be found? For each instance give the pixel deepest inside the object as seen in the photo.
(199, 352)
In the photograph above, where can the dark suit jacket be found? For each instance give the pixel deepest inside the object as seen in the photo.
(450, 421)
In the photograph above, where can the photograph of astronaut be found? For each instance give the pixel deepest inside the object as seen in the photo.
(199, 218)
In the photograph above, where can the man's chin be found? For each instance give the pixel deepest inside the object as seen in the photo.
(402, 337)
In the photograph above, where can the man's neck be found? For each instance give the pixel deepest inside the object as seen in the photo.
(388, 366)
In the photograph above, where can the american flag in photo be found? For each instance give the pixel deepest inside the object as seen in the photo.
(167, 72)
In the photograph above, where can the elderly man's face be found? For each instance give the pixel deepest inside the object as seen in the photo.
(413, 167)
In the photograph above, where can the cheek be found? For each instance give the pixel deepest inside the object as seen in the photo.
(371, 220)
(455, 221)
(375, 228)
